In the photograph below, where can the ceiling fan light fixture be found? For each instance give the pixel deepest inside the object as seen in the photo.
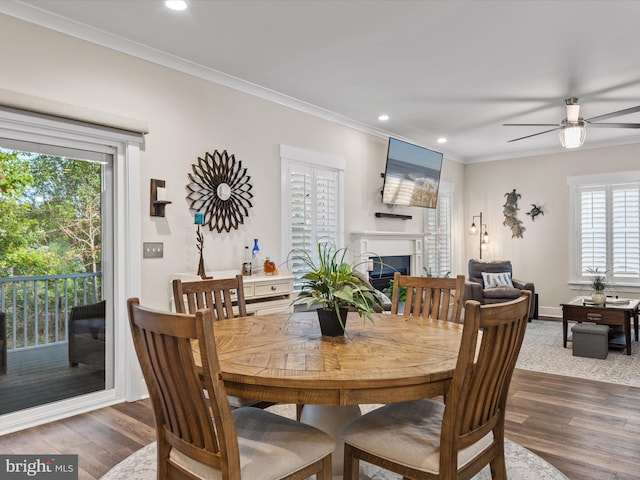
(572, 135)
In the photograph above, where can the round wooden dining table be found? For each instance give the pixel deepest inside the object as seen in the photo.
(284, 358)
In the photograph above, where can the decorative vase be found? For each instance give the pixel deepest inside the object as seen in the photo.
(330, 325)
(270, 267)
(598, 297)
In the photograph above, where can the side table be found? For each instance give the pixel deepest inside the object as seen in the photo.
(619, 313)
(263, 294)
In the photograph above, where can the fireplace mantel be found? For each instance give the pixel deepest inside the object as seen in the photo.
(366, 244)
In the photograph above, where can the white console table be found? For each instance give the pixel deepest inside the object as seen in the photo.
(263, 294)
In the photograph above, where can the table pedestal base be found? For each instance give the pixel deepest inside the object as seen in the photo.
(332, 419)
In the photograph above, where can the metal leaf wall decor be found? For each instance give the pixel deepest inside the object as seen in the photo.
(220, 189)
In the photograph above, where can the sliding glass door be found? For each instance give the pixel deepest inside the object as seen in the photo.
(56, 207)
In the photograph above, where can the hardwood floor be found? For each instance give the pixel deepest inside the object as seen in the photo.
(588, 430)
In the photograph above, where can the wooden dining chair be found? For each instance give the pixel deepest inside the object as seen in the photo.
(225, 297)
(425, 439)
(198, 435)
(439, 298)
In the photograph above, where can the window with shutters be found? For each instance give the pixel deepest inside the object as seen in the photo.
(438, 233)
(606, 234)
(312, 203)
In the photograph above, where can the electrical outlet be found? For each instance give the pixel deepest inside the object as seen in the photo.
(152, 250)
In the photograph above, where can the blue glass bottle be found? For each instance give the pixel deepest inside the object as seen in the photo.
(257, 260)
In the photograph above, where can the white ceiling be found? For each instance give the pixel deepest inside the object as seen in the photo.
(458, 69)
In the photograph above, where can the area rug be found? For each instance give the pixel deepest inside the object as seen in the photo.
(542, 351)
(521, 463)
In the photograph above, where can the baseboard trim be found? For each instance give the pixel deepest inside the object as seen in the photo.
(552, 312)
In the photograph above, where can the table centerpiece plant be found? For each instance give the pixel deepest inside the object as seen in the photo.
(332, 284)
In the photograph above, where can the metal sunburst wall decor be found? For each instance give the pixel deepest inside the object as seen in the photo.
(220, 189)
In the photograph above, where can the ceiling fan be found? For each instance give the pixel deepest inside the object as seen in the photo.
(573, 128)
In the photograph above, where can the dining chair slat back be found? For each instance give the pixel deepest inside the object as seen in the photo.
(471, 422)
(437, 297)
(225, 296)
(478, 392)
(183, 414)
(198, 435)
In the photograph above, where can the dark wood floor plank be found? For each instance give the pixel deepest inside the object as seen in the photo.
(28, 442)
(599, 427)
(135, 430)
(117, 444)
(141, 411)
(584, 428)
(579, 471)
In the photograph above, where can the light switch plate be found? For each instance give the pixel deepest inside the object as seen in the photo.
(152, 250)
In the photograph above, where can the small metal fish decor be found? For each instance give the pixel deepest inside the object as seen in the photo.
(535, 211)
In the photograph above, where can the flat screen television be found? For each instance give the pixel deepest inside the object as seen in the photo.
(412, 175)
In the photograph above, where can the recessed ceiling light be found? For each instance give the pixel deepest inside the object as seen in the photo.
(176, 4)
(383, 117)
(442, 140)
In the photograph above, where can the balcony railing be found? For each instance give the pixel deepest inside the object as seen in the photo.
(37, 308)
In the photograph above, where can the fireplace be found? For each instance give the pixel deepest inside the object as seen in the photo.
(384, 267)
(399, 251)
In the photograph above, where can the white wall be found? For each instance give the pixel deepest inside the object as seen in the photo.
(542, 255)
(188, 117)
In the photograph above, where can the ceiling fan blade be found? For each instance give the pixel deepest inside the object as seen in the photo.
(614, 125)
(619, 113)
(533, 135)
(530, 125)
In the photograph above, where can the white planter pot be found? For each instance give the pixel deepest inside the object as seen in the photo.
(598, 297)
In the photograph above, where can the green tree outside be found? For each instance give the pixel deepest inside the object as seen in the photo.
(50, 224)
(50, 215)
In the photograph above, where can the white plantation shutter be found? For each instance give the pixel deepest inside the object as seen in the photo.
(300, 219)
(326, 202)
(438, 229)
(625, 242)
(593, 223)
(608, 231)
(312, 203)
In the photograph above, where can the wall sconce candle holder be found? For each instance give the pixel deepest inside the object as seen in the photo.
(157, 198)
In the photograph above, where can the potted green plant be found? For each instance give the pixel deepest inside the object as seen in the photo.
(599, 284)
(332, 284)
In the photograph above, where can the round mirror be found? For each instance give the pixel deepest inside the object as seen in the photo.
(223, 191)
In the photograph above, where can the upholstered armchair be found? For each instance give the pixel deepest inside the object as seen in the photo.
(493, 282)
